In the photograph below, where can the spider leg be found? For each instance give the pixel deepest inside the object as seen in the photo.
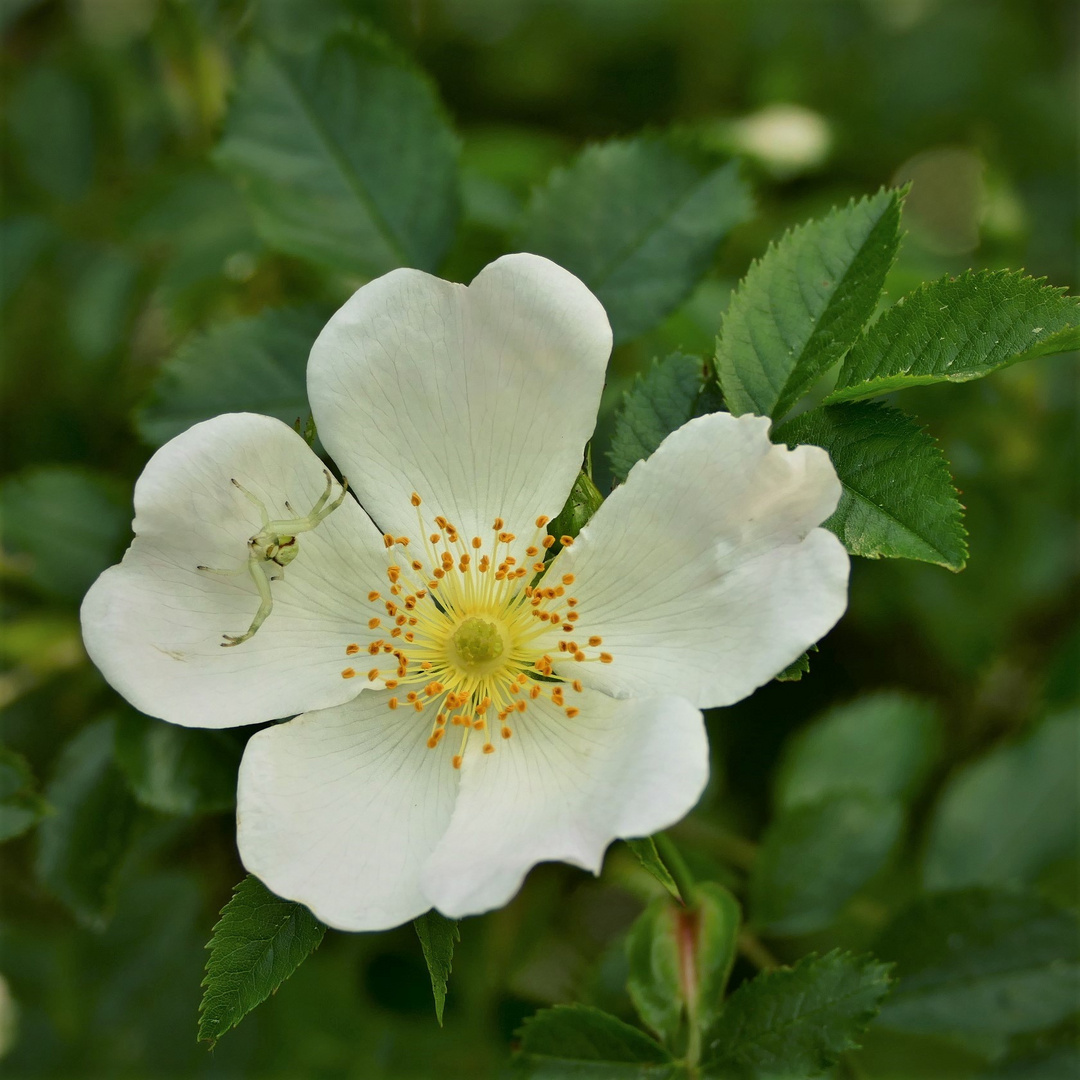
(253, 499)
(266, 603)
(223, 573)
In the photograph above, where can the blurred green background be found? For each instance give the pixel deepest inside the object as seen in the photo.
(120, 239)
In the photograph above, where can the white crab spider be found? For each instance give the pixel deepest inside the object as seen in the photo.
(275, 543)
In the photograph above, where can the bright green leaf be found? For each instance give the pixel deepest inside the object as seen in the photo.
(82, 844)
(645, 849)
(638, 221)
(714, 922)
(1003, 819)
(247, 365)
(797, 1021)
(177, 770)
(20, 805)
(258, 942)
(816, 856)
(978, 961)
(437, 935)
(797, 668)
(802, 305)
(583, 501)
(898, 498)
(345, 155)
(883, 744)
(65, 525)
(662, 399)
(957, 329)
(575, 1042)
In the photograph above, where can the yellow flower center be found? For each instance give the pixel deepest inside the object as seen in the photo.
(473, 636)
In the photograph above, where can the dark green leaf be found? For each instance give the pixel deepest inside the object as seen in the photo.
(898, 498)
(883, 744)
(1003, 819)
(20, 805)
(23, 239)
(66, 525)
(816, 856)
(638, 221)
(957, 329)
(174, 769)
(576, 1042)
(978, 961)
(802, 305)
(645, 849)
(248, 365)
(82, 844)
(437, 935)
(1053, 1054)
(669, 393)
(345, 155)
(259, 941)
(713, 925)
(795, 1022)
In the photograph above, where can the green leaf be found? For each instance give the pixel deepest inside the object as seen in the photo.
(662, 399)
(898, 498)
(797, 1021)
(258, 942)
(583, 501)
(1003, 819)
(883, 744)
(20, 805)
(82, 844)
(680, 958)
(802, 305)
(345, 155)
(174, 769)
(247, 365)
(981, 962)
(639, 221)
(816, 856)
(575, 1041)
(65, 525)
(437, 935)
(798, 668)
(958, 329)
(645, 849)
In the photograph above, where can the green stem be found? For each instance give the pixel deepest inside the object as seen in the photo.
(680, 872)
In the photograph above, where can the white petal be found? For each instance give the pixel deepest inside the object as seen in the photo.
(154, 624)
(563, 789)
(338, 809)
(480, 399)
(704, 574)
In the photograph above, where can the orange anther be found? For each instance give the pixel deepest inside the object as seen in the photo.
(520, 706)
(606, 658)
(373, 674)
(572, 616)
(388, 540)
(594, 641)
(532, 551)
(489, 748)
(373, 596)
(541, 521)
(390, 684)
(505, 732)
(348, 673)
(572, 712)
(477, 542)
(416, 564)
(548, 541)
(392, 703)
(352, 650)
(372, 623)
(499, 523)
(434, 538)
(577, 685)
(415, 499)
(579, 655)
(566, 541)
(567, 627)
(456, 761)
(568, 579)
(433, 741)
(506, 537)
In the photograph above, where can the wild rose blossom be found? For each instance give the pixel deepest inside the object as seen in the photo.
(468, 707)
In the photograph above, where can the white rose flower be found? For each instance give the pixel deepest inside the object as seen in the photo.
(466, 710)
